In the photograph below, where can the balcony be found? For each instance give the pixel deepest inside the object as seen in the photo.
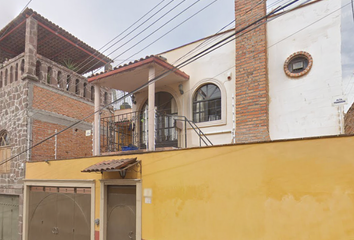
(129, 132)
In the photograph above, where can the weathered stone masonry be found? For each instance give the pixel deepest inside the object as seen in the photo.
(38, 97)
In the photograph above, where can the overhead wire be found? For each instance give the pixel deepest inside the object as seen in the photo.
(174, 17)
(72, 79)
(352, 3)
(142, 31)
(169, 31)
(120, 34)
(151, 81)
(27, 4)
(150, 25)
(49, 102)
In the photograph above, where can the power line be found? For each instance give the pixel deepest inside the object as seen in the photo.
(19, 14)
(174, 17)
(142, 31)
(49, 102)
(188, 61)
(128, 29)
(168, 31)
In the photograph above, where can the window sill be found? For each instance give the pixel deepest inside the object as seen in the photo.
(210, 123)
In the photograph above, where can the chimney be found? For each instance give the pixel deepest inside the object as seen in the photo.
(252, 124)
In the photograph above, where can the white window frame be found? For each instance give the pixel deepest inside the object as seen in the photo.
(223, 119)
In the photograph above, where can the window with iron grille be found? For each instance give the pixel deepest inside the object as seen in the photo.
(207, 103)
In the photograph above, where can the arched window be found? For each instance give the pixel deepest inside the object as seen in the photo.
(60, 81)
(11, 74)
(22, 66)
(85, 90)
(38, 69)
(207, 103)
(16, 72)
(165, 130)
(77, 87)
(67, 85)
(92, 93)
(105, 98)
(49, 75)
(4, 138)
(6, 73)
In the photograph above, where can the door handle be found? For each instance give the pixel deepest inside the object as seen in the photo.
(55, 230)
(131, 235)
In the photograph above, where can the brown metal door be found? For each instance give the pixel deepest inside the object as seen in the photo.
(121, 212)
(65, 217)
(9, 217)
(59, 214)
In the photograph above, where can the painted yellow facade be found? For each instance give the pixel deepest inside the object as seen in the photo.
(299, 189)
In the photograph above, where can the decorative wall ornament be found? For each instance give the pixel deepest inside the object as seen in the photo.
(298, 64)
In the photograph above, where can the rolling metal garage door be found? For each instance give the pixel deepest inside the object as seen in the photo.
(9, 217)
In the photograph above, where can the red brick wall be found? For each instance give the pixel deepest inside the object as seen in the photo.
(51, 101)
(349, 121)
(251, 74)
(70, 144)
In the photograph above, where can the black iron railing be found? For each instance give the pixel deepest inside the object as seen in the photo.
(129, 131)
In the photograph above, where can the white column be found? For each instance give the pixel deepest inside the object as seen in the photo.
(151, 115)
(96, 127)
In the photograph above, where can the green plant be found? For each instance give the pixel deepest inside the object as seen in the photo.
(68, 63)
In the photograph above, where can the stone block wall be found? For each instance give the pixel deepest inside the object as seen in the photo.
(13, 118)
(252, 122)
(59, 77)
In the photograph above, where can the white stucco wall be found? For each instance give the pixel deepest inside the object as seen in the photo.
(212, 68)
(302, 107)
(347, 27)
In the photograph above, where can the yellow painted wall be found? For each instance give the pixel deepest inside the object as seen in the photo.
(280, 190)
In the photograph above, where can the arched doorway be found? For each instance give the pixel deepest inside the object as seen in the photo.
(165, 131)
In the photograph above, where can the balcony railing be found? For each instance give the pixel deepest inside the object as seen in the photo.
(130, 131)
(52, 74)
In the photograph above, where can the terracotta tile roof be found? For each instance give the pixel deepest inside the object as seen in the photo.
(137, 63)
(110, 165)
(54, 42)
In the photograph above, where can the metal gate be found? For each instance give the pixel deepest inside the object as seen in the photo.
(9, 217)
(59, 213)
(121, 212)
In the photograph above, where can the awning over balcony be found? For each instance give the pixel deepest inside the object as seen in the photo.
(112, 165)
(54, 43)
(133, 75)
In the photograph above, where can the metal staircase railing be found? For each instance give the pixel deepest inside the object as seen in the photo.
(202, 137)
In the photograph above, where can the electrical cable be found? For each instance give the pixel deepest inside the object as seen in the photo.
(49, 102)
(352, 3)
(154, 31)
(19, 14)
(98, 51)
(168, 31)
(140, 31)
(151, 81)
